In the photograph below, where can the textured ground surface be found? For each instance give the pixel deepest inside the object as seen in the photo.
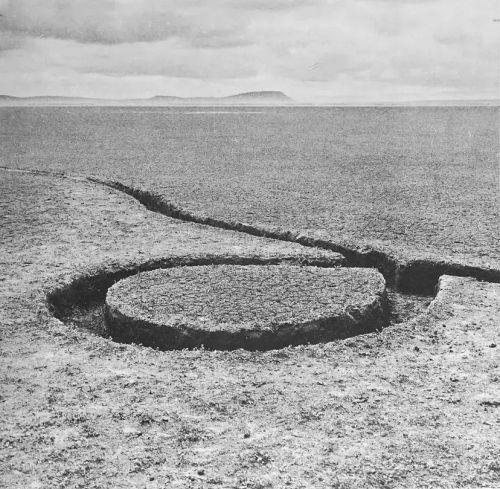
(414, 406)
(418, 182)
(82, 227)
(231, 306)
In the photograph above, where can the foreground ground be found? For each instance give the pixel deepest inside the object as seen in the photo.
(416, 405)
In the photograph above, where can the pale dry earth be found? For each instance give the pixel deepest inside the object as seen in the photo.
(417, 183)
(417, 405)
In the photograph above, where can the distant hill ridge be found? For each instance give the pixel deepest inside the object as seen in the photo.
(268, 97)
(265, 94)
(257, 98)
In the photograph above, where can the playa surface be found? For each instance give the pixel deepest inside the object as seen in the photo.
(415, 404)
(419, 183)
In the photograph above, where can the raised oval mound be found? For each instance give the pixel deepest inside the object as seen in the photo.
(253, 307)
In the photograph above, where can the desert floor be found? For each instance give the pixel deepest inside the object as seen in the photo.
(414, 405)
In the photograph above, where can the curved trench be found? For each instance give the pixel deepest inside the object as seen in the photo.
(415, 277)
(411, 285)
(81, 303)
(412, 277)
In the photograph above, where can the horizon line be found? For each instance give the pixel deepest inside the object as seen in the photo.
(278, 93)
(286, 101)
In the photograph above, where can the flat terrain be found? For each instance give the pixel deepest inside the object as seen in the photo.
(416, 405)
(418, 183)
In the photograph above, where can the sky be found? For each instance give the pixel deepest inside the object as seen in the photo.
(319, 51)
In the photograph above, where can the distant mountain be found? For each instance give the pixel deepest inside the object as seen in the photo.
(248, 98)
(263, 98)
(266, 96)
(7, 100)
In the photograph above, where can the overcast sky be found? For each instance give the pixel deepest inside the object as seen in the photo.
(313, 50)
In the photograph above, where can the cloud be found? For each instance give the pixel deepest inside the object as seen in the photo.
(273, 5)
(318, 49)
(161, 58)
(120, 21)
(10, 41)
(426, 45)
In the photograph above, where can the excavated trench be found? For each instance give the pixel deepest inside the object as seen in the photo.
(410, 285)
(415, 277)
(82, 303)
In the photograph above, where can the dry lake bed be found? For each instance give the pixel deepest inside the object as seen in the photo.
(282, 297)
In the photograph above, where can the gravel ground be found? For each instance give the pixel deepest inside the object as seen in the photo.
(414, 406)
